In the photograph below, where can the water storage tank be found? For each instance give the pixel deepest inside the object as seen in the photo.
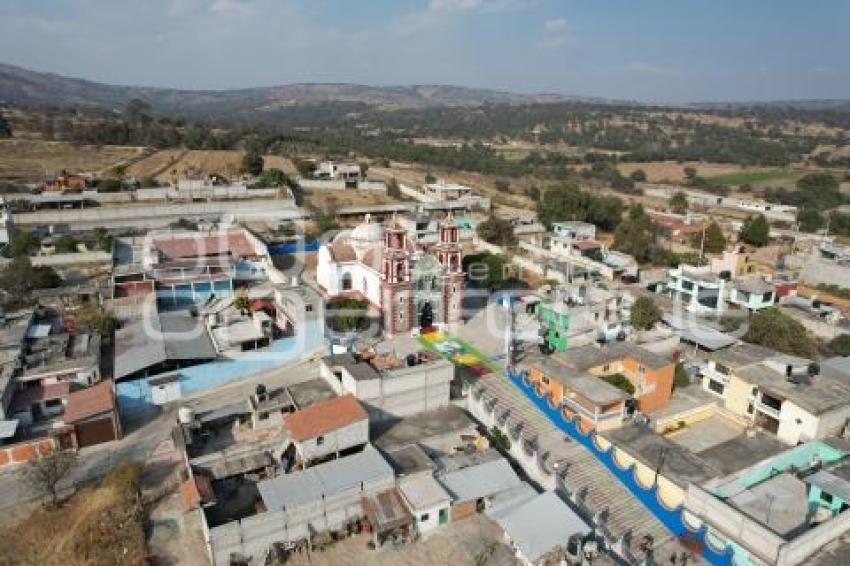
(185, 415)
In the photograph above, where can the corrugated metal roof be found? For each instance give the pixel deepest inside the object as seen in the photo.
(291, 490)
(541, 524)
(482, 480)
(169, 336)
(704, 336)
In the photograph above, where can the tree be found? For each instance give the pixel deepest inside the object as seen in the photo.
(840, 345)
(241, 302)
(496, 231)
(619, 381)
(364, 167)
(19, 278)
(499, 439)
(43, 474)
(533, 193)
(66, 244)
(638, 176)
(502, 185)
(393, 189)
(23, 244)
(810, 220)
(776, 330)
(645, 313)
(690, 172)
(818, 182)
(679, 203)
(430, 178)
(485, 270)
(5, 127)
(638, 236)
(714, 242)
(567, 202)
(274, 178)
(681, 377)
(347, 315)
(98, 320)
(755, 231)
(102, 239)
(252, 163)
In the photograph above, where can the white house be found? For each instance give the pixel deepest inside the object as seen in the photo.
(427, 500)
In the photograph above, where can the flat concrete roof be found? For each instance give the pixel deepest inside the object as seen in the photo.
(684, 399)
(742, 354)
(310, 392)
(410, 459)
(742, 451)
(818, 394)
(680, 465)
(779, 503)
(419, 428)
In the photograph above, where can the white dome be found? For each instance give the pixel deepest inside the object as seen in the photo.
(368, 232)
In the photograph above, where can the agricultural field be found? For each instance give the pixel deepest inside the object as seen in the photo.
(155, 164)
(755, 177)
(198, 164)
(329, 200)
(279, 162)
(674, 172)
(30, 160)
(168, 165)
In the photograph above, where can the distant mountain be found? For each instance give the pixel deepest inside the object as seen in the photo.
(25, 87)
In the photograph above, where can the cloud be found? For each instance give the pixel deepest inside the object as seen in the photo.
(555, 34)
(555, 24)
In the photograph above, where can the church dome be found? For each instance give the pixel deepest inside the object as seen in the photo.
(368, 232)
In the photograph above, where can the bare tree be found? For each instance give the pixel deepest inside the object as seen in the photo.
(43, 474)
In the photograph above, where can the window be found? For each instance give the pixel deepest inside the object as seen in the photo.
(825, 497)
(606, 368)
(720, 368)
(424, 517)
(264, 416)
(53, 403)
(715, 386)
(320, 440)
(346, 282)
(309, 308)
(641, 370)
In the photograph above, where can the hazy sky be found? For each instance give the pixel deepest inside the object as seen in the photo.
(663, 50)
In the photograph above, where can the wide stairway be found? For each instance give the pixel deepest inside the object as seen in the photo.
(599, 492)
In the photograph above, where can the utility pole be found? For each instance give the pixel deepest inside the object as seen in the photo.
(661, 458)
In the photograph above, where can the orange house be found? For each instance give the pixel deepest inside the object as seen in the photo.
(598, 404)
(651, 375)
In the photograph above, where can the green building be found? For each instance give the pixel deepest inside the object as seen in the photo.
(554, 324)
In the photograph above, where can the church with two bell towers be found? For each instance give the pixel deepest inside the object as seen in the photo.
(414, 285)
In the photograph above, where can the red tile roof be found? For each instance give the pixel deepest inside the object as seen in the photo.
(90, 401)
(342, 253)
(324, 417)
(586, 245)
(198, 246)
